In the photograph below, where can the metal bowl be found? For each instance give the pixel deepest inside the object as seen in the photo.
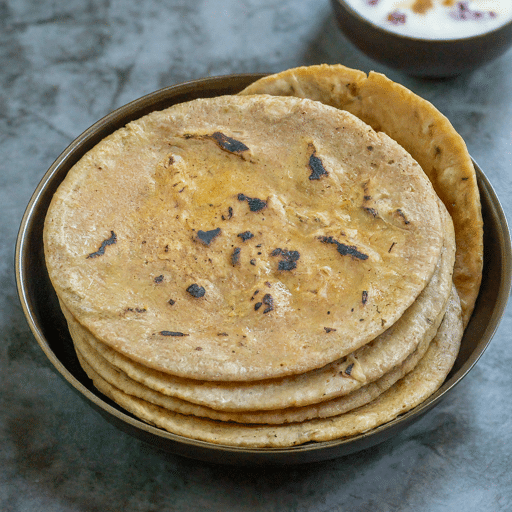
(430, 58)
(48, 325)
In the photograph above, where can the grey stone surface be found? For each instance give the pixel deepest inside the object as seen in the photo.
(64, 65)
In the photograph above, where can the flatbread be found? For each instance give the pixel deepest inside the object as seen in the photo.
(418, 127)
(339, 378)
(407, 393)
(90, 358)
(336, 226)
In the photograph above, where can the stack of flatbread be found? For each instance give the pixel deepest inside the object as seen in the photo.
(295, 263)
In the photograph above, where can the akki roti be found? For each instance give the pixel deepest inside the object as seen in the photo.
(292, 264)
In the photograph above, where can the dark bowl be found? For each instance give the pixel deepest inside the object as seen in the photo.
(429, 58)
(47, 323)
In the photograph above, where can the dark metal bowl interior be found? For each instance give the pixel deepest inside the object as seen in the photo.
(47, 323)
(421, 57)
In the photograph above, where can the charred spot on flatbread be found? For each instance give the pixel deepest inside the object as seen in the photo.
(401, 215)
(101, 251)
(316, 165)
(229, 144)
(246, 235)
(206, 237)
(372, 211)
(255, 204)
(344, 249)
(288, 258)
(135, 310)
(269, 302)
(196, 291)
(229, 215)
(235, 256)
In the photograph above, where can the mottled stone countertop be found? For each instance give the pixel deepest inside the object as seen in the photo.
(63, 66)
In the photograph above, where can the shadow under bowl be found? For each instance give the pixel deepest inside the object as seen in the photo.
(46, 321)
(427, 58)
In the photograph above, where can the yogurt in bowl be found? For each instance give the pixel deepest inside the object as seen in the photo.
(428, 38)
(435, 19)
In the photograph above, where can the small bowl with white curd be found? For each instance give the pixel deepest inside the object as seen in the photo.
(428, 38)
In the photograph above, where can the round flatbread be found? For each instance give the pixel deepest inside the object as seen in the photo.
(404, 395)
(242, 237)
(88, 357)
(418, 127)
(339, 378)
